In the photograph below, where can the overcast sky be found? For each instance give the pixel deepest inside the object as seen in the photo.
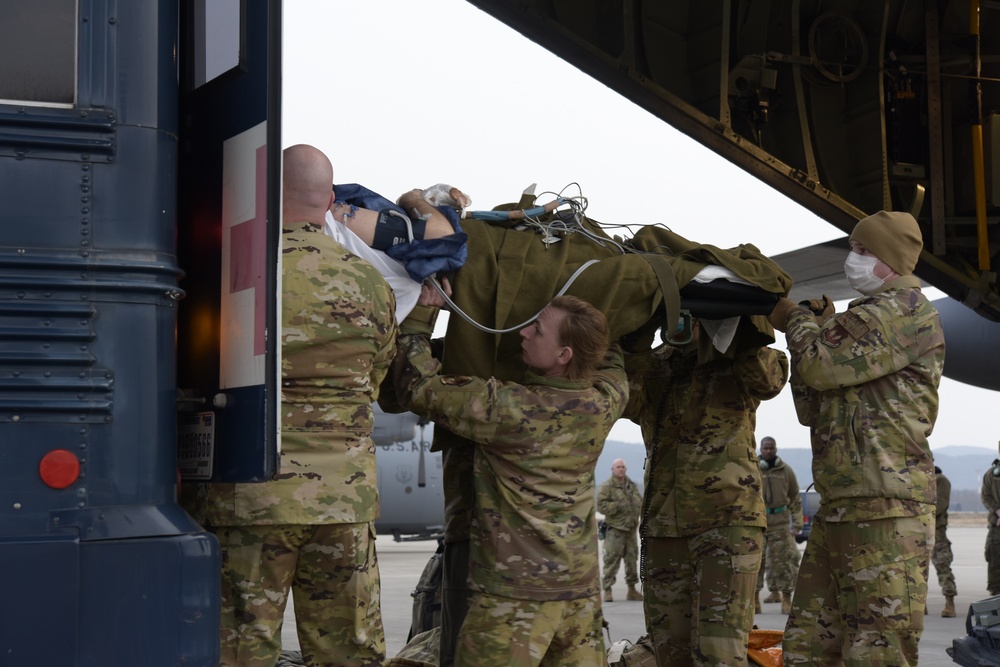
(403, 94)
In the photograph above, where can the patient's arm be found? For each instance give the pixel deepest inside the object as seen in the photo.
(437, 225)
(362, 221)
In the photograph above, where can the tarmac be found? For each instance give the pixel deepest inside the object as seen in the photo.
(401, 563)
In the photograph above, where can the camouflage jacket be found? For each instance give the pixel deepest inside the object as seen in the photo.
(990, 495)
(620, 503)
(533, 532)
(781, 491)
(338, 332)
(866, 382)
(942, 500)
(698, 421)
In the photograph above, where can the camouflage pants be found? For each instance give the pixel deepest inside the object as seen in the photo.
(455, 594)
(332, 571)
(504, 632)
(781, 560)
(459, 498)
(861, 593)
(619, 544)
(993, 560)
(942, 557)
(699, 595)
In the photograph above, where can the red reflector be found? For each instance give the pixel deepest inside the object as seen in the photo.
(59, 468)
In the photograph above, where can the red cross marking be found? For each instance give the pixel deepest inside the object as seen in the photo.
(248, 250)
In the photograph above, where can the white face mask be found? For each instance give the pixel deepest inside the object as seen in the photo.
(860, 272)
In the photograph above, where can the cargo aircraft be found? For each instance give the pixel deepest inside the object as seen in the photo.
(140, 156)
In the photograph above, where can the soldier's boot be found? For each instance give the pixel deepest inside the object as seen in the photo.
(786, 603)
(949, 607)
(607, 595)
(756, 603)
(633, 594)
(774, 596)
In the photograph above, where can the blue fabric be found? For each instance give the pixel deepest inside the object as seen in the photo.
(495, 216)
(421, 257)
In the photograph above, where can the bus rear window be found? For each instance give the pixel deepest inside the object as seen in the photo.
(38, 52)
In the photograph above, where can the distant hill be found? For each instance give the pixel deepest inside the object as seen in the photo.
(964, 466)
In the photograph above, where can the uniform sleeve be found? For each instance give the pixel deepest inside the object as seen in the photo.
(847, 350)
(762, 374)
(636, 498)
(943, 495)
(467, 406)
(988, 492)
(604, 499)
(382, 361)
(636, 366)
(794, 501)
(483, 409)
(805, 398)
(612, 380)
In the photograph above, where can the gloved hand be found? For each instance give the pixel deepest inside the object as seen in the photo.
(779, 315)
(822, 308)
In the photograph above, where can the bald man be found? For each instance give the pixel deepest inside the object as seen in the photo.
(620, 502)
(310, 529)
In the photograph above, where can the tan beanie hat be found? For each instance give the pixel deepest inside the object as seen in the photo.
(893, 236)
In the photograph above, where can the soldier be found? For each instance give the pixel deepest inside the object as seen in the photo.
(619, 501)
(533, 566)
(784, 521)
(990, 495)
(865, 381)
(310, 529)
(703, 513)
(941, 556)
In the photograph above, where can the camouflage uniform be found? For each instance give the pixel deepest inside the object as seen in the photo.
(533, 564)
(703, 513)
(620, 503)
(865, 382)
(990, 495)
(784, 515)
(942, 555)
(311, 527)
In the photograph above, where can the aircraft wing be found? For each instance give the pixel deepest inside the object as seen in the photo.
(845, 107)
(818, 270)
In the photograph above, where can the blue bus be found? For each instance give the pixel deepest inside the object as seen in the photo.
(136, 138)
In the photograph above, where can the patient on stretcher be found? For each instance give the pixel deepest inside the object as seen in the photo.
(406, 242)
(381, 229)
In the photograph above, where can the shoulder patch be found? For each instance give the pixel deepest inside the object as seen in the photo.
(456, 380)
(833, 336)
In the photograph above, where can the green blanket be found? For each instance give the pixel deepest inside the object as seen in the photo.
(512, 274)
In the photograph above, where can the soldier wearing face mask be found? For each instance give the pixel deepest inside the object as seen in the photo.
(865, 381)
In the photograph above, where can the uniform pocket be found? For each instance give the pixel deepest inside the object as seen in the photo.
(744, 584)
(887, 583)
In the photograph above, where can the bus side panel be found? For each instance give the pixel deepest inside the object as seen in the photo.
(134, 628)
(105, 567)
(41, 586)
